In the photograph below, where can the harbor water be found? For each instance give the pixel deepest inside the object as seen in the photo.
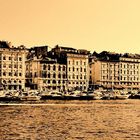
(70, 120)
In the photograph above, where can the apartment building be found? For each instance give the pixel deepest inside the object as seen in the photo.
(115, 71)
(45, 73)
(77, 68)
(77, 71)
(12, 66)
(105, 73)
(130, 71)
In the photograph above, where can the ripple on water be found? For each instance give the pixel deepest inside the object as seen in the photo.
(71, 120)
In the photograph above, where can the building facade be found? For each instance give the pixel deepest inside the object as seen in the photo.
(120, 73)
(12, 67)
(77, 66)
(77, 71)
(130, 72)
(45, 74)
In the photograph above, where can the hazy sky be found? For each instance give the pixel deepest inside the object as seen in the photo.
(111, 25)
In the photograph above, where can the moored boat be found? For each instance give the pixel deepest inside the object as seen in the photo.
(25, 96)
(30, 98)
(95, 95)
(122, 96)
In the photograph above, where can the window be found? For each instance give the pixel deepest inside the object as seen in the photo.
(73, 62)
(77, 77)
(20, 59)
(44, 67)
(36, 74)
(49, 75)
(44, 75)
(59, 75)
(63, 68)
(10, 58)
(15, 66)
(73, 69)
(80, 76)
(73, 76)
(20, 74)
(84, 69)
(15, 74)
(4, 65)
(4, 58)
(4, 73)
(10, 66)
(64, 76)
(54, 75)
(10, 74)
(54, 82)
(134, 71)
(49, 67)
(84, 76)
(54, 67)
(15, 58)
(59, 68)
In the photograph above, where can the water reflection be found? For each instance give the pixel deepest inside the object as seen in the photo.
(72, 120)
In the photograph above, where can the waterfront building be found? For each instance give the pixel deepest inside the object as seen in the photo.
(115, 71)
(130, 71)
(77, 71)
(77, 66)
(104, 73)
(45, 73)
(12, 66)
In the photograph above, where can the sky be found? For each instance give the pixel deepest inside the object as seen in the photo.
(95, 25)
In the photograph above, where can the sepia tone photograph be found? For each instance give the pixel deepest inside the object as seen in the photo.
(69, 70)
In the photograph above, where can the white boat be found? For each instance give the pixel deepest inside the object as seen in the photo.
(30, 98)
(122, 96)
(95, 95)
